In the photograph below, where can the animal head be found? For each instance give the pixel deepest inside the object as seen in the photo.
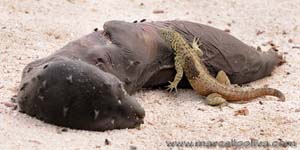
(78, 95)
(167, 34)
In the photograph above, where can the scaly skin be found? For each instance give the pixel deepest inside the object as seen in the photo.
(187, 61)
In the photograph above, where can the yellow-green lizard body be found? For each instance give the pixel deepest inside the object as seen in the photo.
(187, 61)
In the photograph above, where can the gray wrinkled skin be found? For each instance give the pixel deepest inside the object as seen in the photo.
(87, 84)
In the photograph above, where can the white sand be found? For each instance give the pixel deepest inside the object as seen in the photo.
(32, 29)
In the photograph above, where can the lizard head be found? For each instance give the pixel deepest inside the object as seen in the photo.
(166, 34)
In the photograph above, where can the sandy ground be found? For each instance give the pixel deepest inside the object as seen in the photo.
(32, 29)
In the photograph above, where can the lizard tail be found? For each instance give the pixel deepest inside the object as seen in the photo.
(278, 94)
(238, 94)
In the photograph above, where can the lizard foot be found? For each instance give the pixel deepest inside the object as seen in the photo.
(172, 87)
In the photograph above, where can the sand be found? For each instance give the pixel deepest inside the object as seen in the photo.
(32, 29)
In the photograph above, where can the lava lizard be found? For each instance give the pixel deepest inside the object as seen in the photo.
(218, 90)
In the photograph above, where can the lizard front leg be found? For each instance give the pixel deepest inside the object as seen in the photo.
(196, 48)
(179, 62)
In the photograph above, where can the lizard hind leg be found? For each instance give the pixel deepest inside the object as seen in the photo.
(223, 78)
(216, 99)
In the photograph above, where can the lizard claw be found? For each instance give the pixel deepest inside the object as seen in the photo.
(197, 41)
(172, 87)
(195, 45)
(225, 104)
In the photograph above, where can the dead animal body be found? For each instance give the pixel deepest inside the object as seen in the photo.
(88, 83)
